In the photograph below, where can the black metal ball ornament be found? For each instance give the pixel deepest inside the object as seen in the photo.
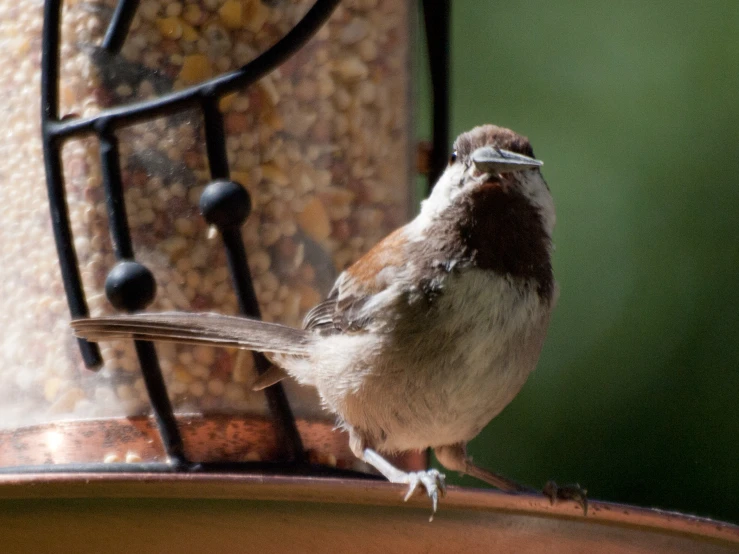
(130, 286)
(225, 204)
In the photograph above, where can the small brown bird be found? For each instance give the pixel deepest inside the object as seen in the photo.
(430, 334)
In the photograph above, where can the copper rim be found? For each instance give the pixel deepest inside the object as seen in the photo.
(347, 491)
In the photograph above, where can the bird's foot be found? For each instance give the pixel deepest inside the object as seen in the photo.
(567, 492)
(434, 483)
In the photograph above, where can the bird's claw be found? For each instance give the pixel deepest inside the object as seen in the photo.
(567, 492)
(434, 483)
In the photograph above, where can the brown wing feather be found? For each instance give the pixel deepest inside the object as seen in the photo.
(321, 316)
(369, 275)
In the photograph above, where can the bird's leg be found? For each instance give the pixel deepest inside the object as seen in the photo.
(431, 479)
(454, 457)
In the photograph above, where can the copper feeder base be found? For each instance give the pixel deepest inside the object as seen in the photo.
(264, 513)
(211, 438)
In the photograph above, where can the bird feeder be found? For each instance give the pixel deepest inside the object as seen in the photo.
(229, 156)
(226, 156)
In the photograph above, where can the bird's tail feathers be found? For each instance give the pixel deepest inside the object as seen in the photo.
(197, 328)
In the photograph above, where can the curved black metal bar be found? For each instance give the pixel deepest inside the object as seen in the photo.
(287, 432)
(161, 407)
(215, 137)
(55, 177)
(110, 167)
(119, 25)
(156, 389)
(437, 17)
(221, 85)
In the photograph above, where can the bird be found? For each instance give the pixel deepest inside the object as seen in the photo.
(431, 333)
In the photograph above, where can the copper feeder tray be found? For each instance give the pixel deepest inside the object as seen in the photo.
(207, 439)
(206, 513)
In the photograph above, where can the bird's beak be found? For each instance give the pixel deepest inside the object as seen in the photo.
(496, 160)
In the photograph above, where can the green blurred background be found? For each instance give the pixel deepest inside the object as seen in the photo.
(634, 109)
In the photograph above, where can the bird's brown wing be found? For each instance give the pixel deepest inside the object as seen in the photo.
(344, 309)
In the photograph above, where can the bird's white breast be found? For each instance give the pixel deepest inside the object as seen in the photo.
(439, 377)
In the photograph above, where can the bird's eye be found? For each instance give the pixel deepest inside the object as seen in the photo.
(453, 157)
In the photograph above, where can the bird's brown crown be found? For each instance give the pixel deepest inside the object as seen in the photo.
(492, 135)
